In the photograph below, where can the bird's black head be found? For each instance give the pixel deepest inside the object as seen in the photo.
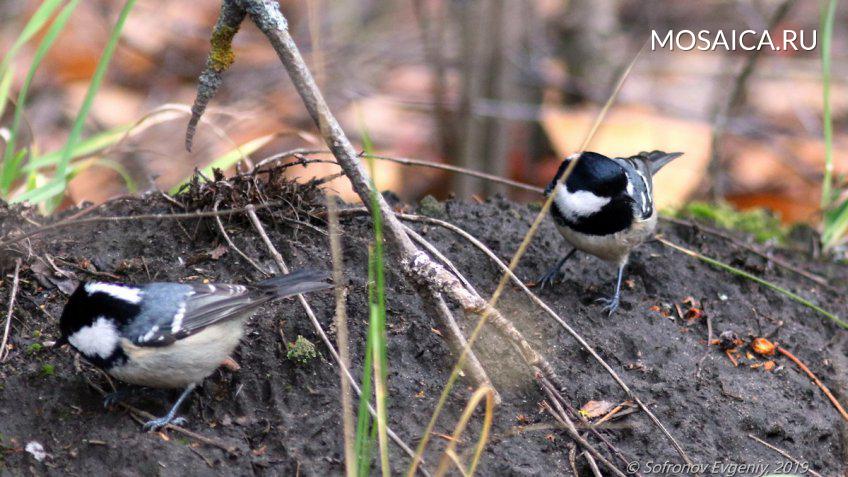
(594, 173)
(92, 317)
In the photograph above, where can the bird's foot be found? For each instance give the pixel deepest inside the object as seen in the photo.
(549, 278)
(610, 304)
(116, 397)
(158, 423)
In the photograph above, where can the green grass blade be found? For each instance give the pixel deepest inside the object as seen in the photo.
(11, 171)
(828, 15)
(836, 224)
(122, 171)
(36, 22)
(378, 315)
(766, 283)
(362, 442)
(76, 131)
(5, 86)
(84, 148)
(230, 158)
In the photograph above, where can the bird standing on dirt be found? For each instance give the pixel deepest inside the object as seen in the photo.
(168, 335)
(605, 208)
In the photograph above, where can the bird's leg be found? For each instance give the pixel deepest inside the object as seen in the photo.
(554, 273)
(156, 424)
(114, 398)
(611, 304)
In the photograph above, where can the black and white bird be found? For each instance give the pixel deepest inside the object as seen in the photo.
(168, 335)
(605, 208)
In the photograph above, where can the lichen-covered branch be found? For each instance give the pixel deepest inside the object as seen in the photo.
(220, 58)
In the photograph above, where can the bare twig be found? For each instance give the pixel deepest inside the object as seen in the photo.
(233, 245)
(12, 294)
(816, 380)
(342, 336)
(562, 417)
(281, 264)
(784, 454)
(142, 416)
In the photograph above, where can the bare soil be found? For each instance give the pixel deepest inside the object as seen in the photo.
(283, 418)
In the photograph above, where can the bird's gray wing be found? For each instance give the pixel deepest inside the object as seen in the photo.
(173, 311)
(639, 185)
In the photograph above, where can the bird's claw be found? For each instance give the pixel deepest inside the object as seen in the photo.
(114, 398)
(158, 423)
(610, 304)
(549, 278)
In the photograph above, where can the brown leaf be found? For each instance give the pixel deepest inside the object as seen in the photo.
(593, 409)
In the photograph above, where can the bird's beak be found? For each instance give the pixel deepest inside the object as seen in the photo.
(657, 162)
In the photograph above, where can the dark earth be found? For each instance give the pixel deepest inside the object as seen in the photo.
(280, 417)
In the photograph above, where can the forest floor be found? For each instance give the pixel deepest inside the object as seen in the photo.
(278, 417)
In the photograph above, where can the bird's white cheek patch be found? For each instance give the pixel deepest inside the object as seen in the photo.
(127, 294)
(580, 203)
(99, 339)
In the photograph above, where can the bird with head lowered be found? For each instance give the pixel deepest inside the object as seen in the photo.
(168, 335)
(605, 207)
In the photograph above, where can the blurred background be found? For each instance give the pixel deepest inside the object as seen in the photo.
(507, 87)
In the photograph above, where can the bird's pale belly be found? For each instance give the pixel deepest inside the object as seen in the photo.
(186, 361)
(612, 248)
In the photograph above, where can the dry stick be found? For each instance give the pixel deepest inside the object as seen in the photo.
(455, 337)
(562, 416)
(281, 264)
(592, 464)
(784, 454)
(550, 312)
(816, 380)
(3, 352)
(136, 412)
(430, 276)
(342, 335)
(233, 245)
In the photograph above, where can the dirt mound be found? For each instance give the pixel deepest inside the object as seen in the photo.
(282, 417)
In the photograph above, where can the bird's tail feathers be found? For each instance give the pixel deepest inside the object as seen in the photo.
(299, 281)
(655, 160)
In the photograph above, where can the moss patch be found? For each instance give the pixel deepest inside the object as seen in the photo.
(761, 223)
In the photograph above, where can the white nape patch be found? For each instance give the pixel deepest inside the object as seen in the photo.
(178, 318)
(581, 203)
(127, 294)
(100, 338)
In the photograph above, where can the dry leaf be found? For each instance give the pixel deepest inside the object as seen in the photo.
(593, 409)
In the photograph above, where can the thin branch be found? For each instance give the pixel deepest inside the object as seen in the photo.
(141, 416)
(233, 245)
(281, 264)
(785, 454)
(816, 380)
(3, 352)
(342, 336)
